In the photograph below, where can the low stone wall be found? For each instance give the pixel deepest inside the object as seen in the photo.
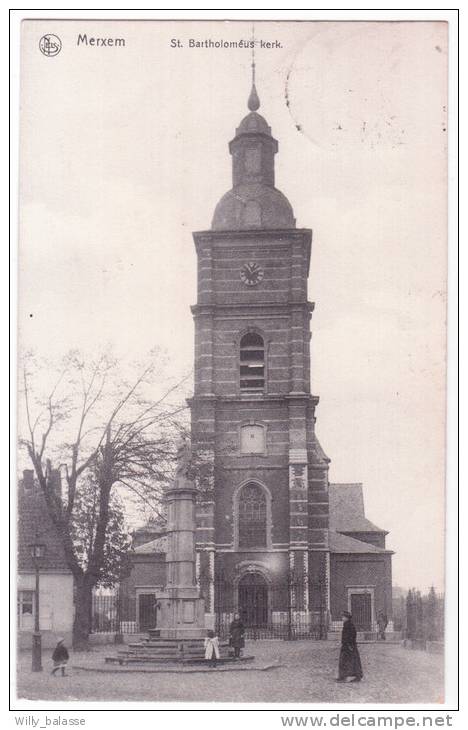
(434, 647)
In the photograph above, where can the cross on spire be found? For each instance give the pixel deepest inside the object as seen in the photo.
(253, 57)
(253, 102)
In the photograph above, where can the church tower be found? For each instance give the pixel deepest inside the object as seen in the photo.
(262, 515)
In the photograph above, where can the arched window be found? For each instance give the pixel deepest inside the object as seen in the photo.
(252, 516)
(252, 362)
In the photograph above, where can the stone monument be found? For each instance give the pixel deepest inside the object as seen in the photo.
(180, 626)
(181, 610)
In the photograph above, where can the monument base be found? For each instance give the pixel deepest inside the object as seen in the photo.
(182, 632)
(181, 614)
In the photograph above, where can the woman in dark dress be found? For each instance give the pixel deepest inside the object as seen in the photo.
(236, 635)
(349, 667)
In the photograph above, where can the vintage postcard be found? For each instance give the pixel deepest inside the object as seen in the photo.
(232, 361)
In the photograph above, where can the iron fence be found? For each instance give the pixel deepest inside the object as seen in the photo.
(291, 608)
(115, 613)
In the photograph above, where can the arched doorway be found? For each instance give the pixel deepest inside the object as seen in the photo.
(253, 600)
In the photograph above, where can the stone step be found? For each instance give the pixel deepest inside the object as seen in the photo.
(174, 642)
(149, 650)
(165, 642)
(174, 654)
(137, 659)
(169, 642)
(170, 660)
(150, 646)
(164, 652)
(222, 660)
(141, 658)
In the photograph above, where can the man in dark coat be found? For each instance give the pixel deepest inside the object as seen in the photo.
(236, 635)
(349, 667)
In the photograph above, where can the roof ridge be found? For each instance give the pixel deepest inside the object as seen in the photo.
(347, 543)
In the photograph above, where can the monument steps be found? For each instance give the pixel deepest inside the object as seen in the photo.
(168, 651)
(181, 633)
(164, 644)
(172, 660)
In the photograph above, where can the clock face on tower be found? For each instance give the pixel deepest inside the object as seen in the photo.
(251, 273)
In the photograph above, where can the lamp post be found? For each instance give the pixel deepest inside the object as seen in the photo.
(37, 552)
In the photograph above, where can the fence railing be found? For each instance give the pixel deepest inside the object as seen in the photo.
(294, 608)
(115, 613)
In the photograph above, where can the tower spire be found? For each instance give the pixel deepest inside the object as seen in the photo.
(253, 102)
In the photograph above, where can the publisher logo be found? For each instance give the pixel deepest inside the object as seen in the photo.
(50, 44)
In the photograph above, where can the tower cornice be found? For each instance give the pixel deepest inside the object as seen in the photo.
(209, 309)
(244, 398)
(284, 235)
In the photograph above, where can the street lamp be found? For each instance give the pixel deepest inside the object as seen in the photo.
(37, 553)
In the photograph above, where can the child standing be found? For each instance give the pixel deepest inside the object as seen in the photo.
(60, 657)
(211, 648)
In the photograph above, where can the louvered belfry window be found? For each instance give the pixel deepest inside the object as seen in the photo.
(252, 517)
(252, 363)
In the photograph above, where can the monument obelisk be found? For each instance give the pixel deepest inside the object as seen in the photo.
(182, 611)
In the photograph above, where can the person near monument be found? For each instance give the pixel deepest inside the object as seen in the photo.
(382, 623)
(349, 666)
(211, 648)
(236, 635)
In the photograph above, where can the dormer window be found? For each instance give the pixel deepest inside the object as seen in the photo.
(252, 363)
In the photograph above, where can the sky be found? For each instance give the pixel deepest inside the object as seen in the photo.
(123, 153)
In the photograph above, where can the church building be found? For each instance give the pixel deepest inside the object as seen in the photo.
(275, 541)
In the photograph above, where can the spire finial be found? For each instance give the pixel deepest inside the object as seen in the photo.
(253, 102)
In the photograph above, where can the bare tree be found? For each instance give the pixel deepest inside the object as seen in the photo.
(92, 422)
(116, 563)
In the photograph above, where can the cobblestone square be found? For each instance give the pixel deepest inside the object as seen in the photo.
(301, 671)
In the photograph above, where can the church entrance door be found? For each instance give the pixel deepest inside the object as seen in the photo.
(253, 600)
(361, 610)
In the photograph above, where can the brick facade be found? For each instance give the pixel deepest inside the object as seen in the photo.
(351, 573)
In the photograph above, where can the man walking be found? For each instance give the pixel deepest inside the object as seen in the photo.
(349, 667)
